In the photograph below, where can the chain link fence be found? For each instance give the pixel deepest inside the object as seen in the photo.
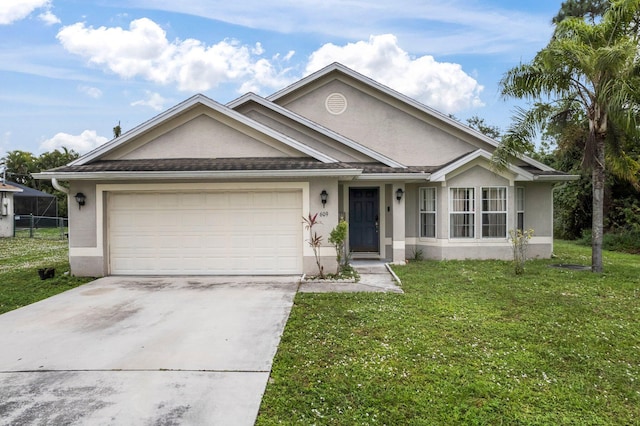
(42, 227)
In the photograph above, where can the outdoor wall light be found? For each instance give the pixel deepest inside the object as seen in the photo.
(399, 194)
(323, 197)
(81, 199)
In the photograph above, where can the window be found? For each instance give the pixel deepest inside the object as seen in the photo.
(520, 207)
(462, 213)
(494, 212)
(428, 212)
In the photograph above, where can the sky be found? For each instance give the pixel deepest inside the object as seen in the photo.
(71, 70)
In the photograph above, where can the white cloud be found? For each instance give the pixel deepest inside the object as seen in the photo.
(441, 85)
(472, 26)
(15, 10)
(82, 143)
(92, 92)
(49, 18)
(153, 101)
(143, 51)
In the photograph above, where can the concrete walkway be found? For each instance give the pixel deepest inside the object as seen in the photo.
(375, 276)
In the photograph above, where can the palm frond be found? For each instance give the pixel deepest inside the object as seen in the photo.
(518, 139)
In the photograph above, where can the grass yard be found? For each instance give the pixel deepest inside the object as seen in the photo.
(469, 343)
(20, 259)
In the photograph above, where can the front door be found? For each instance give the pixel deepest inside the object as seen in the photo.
(364, 220)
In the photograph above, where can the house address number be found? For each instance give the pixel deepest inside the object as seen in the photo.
(323, 214)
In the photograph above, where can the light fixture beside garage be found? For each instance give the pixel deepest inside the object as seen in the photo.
(399, 194)
(323, 197)
(81, 199)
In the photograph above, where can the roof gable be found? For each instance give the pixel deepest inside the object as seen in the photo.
(201, 134)
(482, 158)
(285, 116)
(440, 121)
(249, 132)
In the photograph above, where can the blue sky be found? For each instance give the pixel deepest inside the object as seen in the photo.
(70, 70)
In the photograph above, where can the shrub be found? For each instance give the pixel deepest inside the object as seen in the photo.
(520, 241)
(338, 238)
(315, 240)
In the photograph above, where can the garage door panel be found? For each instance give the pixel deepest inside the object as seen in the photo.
(254, 232)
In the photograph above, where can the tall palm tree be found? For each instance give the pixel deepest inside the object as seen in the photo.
(593, 67)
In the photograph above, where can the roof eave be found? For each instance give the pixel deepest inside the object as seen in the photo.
(201, 174)
(395, 176)
(556, 178)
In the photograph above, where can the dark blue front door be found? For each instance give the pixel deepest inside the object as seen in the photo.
(364, 221)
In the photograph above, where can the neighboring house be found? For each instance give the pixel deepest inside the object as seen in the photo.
(7, 193)
(205, 188)
(31, 201)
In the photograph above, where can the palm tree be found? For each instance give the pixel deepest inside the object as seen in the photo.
(592, 67)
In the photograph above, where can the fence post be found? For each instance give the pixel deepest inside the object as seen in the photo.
(61, 227)
(31, 225)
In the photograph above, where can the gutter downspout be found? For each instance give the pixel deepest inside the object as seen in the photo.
(56, 185)
(59, 187)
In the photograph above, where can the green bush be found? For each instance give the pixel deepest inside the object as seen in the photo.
(626, 242)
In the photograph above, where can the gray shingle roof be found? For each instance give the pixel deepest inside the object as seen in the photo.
(202, 164)
(257, 163)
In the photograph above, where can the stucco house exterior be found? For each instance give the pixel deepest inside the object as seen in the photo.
(206, 188)
(7, 191)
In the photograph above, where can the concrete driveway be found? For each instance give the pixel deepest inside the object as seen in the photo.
(144, 351)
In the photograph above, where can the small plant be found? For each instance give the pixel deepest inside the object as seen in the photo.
(520, 241)
(315, 240)
(416, 254)
(338, 238)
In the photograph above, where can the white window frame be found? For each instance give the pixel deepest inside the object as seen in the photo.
(425, 212)
(520, 206)
(504, 201)
(468, 210)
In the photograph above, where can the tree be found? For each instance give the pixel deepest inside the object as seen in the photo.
(117, 130)
(590, 9)
(480, 125)
(51, 160)
(20, 165)
(592, 68)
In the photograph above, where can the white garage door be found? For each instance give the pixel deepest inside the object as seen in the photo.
(211, 233)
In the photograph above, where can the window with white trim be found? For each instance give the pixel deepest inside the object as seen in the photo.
(494, 212)
(462, 207)
(428, 212)
(520, 208)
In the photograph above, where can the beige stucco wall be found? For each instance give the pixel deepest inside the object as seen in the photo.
(202, 133)
(382, 127)
(538, 216)
(328, 216)
(538, 200)
(88, 245)
(305, 135)
(82, 220)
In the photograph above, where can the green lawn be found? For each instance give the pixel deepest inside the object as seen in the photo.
(469, 343)
(20, 259)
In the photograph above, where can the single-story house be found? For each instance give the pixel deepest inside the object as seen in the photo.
(32, 201)
(206, 188)
(7, 193)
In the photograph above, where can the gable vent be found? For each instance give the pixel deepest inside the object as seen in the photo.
(336, 103)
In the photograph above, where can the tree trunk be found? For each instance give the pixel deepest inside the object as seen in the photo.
(597, 226)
